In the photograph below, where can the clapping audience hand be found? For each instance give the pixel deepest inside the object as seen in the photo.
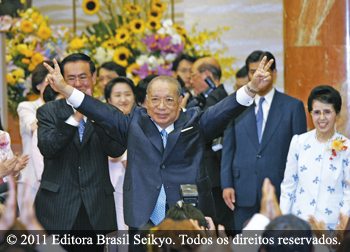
(269, 202)
(319, 227)
(8, 217)
(21, 162)
(7, 166)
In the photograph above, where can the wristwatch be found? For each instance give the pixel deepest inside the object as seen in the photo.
(251, 90)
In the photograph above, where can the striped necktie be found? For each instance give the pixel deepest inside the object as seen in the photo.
(158, 214)
(81, 129)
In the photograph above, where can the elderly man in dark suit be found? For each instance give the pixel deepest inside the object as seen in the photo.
(75, 191)
(165, 145)
(256, 144)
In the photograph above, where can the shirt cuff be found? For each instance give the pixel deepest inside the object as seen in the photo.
(242, 97)
(72, 121)
(257, 222)
(76, 98)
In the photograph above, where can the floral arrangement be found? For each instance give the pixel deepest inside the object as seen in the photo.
(337, 145)
(29, 41)
(139, 37)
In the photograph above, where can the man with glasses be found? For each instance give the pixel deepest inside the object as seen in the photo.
(256, 144)
(75, 191)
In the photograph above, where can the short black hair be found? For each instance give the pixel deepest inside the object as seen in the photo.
(243, 72)
(39, 75)
(141, 89)
(325, 94)
(113, 82)
(77, 57)
(186, 212)
(257, 56)
(112, 66)
(289, 226)
(49, 94)
(181, 57)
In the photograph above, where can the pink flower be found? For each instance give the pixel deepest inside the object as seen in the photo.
(3, 140)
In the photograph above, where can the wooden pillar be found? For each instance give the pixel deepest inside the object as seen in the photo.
(316, 50)
(3, 83)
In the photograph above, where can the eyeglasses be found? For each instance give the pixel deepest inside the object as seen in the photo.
(169, 101)
(82, 79)
(326, 112)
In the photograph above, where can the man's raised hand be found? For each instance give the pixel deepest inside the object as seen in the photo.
(56, 80)
(261, 76)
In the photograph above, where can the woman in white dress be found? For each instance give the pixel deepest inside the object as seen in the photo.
(119, 92)
(27, 123)
(317, 164)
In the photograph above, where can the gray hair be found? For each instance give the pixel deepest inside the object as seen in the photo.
(166, 79)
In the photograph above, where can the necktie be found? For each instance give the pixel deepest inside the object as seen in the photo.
(81, 129)
(158, 214)
(260, 118)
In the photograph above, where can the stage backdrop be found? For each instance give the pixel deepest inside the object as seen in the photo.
(254, 24)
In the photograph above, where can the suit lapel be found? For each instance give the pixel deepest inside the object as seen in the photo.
(151, 131)
(273, 120)
(250, 126)
(174, 135)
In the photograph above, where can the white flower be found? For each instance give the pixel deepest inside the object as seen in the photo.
(167, 23)
(152, 61)
(141, 60)
(170, 57)
(160, 61)
(176, 39)
(103, 55)
(161, 31)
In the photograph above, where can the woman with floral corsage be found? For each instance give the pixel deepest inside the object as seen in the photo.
(318, 163)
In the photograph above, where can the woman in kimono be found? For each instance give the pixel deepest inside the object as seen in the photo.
(318, 164)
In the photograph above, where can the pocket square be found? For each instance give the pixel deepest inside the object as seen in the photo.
(186, 129)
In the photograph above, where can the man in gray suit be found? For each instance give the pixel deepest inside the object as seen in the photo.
(256, 144)
(165, 145)
(75, 191)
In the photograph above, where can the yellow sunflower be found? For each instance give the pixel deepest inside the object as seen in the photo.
(132, 67)
(121, 55)
(154, 14)
(158, 6)
(91, 7)
(153, 23)
(27, 26)
(10, 79)
(133, 8)
(180, 30)
(122, 35)
(109, 44)
(44, 32)
(137, 26)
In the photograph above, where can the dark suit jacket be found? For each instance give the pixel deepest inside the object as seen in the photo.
(149, 166)
(213, 158)
(246, 163)
(74, 173)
